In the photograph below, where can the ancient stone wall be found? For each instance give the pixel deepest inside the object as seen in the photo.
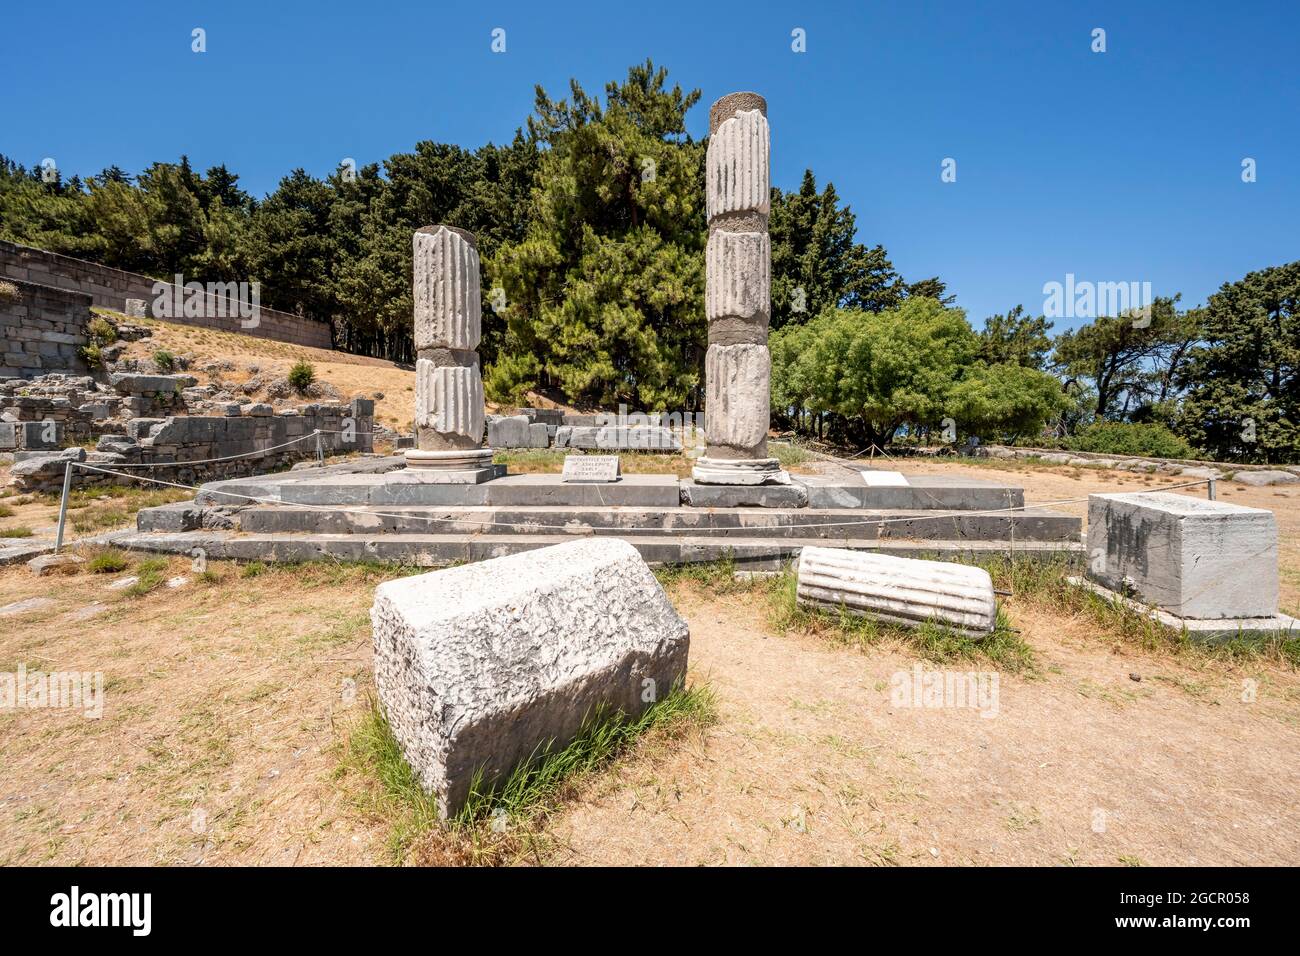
(182, 447)
(110, 288)
(42, 328)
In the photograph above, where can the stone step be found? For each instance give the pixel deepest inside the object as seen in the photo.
(433, 550)
(403, 487)
(1031, 524)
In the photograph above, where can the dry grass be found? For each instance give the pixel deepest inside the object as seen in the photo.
(353, 375)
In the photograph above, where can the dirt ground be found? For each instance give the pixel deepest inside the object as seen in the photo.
(354, 376)
(227, 695)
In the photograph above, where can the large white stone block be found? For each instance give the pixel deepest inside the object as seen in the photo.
(449, 399)
(448, 306)
(479, 666)
(736, 166)
(1193, 557)
(737, 387)
(903, 591)
(738, 275)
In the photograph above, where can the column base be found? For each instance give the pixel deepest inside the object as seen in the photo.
(739, 471)
(470, 465)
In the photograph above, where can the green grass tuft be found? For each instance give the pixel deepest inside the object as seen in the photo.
(110, 561)
(151, 573)
(526, 796)
(15, 532)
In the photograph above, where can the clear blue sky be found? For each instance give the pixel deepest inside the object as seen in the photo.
(1118, 166)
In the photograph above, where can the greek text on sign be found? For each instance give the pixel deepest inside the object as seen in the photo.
(590, 468)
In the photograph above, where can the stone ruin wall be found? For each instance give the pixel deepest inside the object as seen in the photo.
(109, 288)
(182, 446)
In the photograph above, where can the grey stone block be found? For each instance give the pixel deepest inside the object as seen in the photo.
(510, 432)
(131, 383)
(478, 667)
(546, 416)
(539, 435)
(139, 428)
(1265, 477)
(40, 436)
(1190, 556)
(653, 438)
(744, 496)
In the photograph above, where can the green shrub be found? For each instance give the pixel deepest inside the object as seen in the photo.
(101, 331)
(301, 375)
(1125, 438)
(164, 360)
(93, 356)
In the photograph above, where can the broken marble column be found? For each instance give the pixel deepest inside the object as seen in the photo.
(737, 304)
(449, 413)
(905, 591)
(479, 668)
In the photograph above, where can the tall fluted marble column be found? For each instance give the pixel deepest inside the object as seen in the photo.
(449, 413)
(738, 366)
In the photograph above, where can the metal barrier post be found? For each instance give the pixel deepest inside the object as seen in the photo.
(63, 507)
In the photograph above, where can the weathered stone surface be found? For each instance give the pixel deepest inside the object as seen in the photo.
(479, 666)
(30, 604)
(129, 383)
(737, 397)
(738, 277)
(40, 436)
(51, 563)
(902, 591)
(711, 470)
(736, 166)
(1193, 557)
(617, 438)
(509, 432)
(448, 306)
(449, 400)
(52, 463)
(597, 468)
(547, 416)
(755, 495)
(1265, 477)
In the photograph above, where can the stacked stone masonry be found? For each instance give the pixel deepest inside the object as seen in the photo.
(110, 288)
(42, 328)
(183, 447)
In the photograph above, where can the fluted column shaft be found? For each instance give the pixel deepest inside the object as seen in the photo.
(738, 366)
